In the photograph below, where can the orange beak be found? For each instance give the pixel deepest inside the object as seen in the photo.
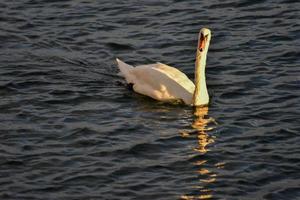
(201, 44)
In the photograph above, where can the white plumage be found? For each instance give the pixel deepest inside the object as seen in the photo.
(166, 83)
(159, 81)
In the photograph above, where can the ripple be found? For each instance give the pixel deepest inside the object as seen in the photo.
(69, 125)
(116, 46)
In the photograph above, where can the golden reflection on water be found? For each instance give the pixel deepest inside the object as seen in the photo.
(201, 126)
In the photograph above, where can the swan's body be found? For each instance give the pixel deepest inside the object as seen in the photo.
(166, 83)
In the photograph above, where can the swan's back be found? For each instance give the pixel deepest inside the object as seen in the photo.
(159, 81)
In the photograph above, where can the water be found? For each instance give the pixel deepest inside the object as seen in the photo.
(71, 130)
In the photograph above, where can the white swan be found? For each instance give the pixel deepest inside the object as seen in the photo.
(165, 83)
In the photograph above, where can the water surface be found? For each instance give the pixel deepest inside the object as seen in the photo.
(71, 130)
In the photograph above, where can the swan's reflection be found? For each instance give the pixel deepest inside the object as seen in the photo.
(201, 125)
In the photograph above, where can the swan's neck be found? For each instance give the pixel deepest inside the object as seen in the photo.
(200, 94)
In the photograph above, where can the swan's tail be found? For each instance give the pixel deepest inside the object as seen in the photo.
(124, 69)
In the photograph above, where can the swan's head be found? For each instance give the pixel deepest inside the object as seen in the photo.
(203, 40)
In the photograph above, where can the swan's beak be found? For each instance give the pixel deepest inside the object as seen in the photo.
(202, 41)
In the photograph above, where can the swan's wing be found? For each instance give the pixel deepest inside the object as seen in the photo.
(176, 75)
(162, 82)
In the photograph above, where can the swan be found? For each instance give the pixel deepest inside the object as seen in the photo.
(165, 83)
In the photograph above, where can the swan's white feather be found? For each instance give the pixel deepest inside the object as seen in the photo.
(124, 69)
(159, 81)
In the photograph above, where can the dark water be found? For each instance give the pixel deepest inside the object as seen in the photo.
(71, 130)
